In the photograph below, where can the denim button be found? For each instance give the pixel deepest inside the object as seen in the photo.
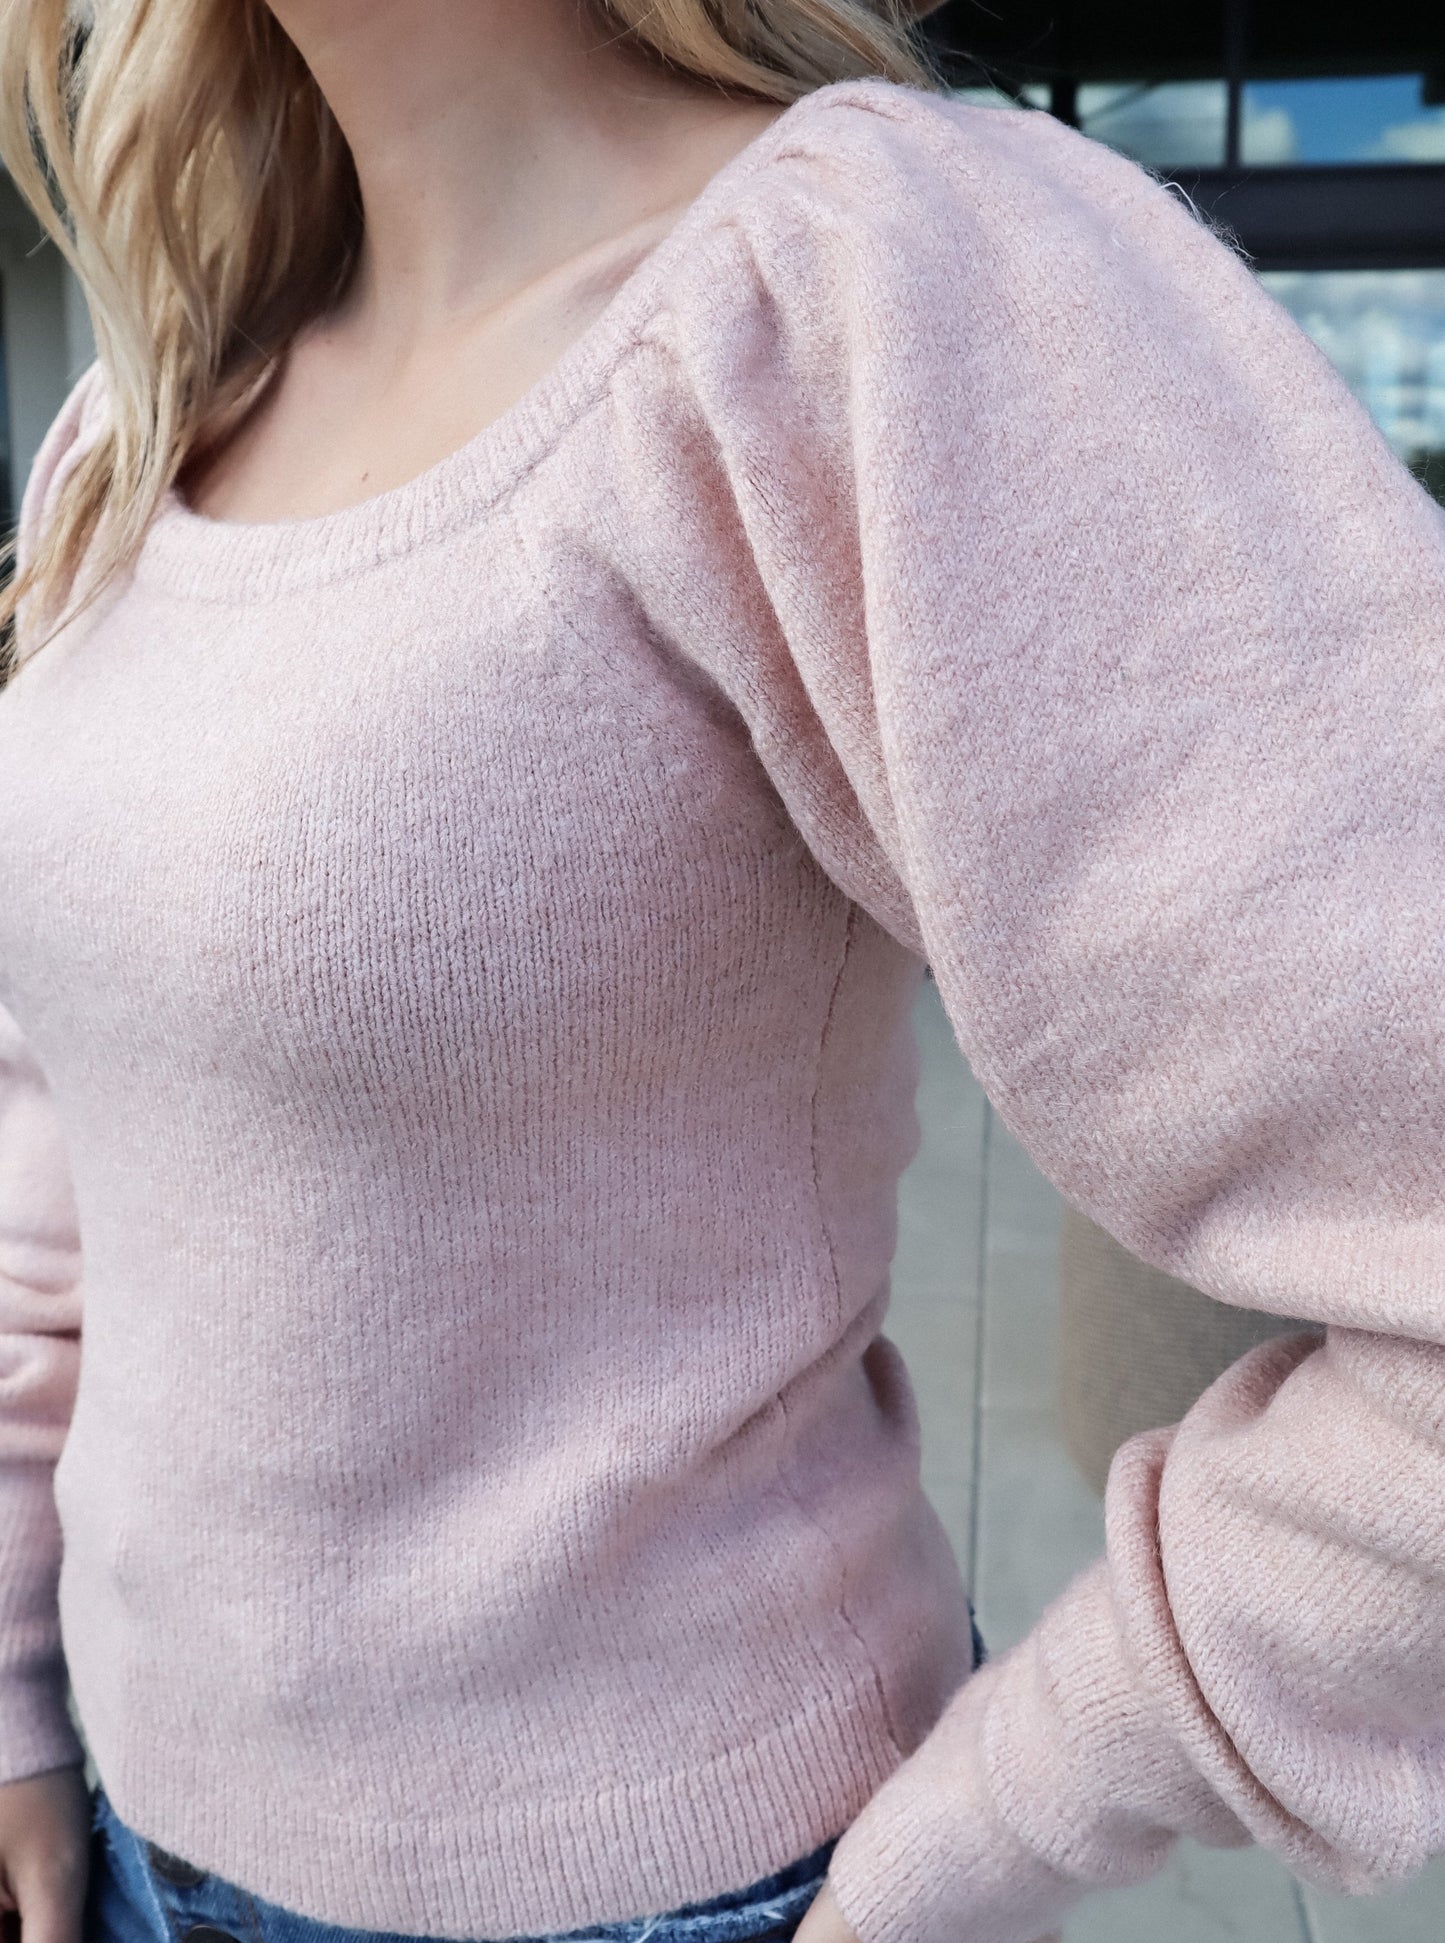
(184, 1874)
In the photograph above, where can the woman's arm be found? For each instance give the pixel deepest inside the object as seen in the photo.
(39, 1368)
(1095, 641)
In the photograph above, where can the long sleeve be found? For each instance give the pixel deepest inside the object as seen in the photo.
(1095, 642)
(39, 1366)
(40, 1310)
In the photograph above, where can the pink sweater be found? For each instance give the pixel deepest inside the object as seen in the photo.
(468, 942)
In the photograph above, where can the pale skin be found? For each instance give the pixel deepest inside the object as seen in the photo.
(517, 159)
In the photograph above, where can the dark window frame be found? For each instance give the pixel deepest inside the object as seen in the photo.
(1322, 216)
(1307, 216)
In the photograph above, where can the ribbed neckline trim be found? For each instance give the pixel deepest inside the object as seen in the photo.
(224, 560)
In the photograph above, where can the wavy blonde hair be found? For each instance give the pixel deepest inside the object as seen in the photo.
(188, 167)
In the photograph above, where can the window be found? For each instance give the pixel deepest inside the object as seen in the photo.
(1369, 118)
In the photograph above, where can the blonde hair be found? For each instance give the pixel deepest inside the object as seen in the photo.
(187, 165)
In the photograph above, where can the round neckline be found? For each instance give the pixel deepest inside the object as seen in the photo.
(190, 552)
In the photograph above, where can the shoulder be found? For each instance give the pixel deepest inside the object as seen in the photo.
(74, 429)
(877, 224)
(71, 432)
(901, 252)
(878, 131)
(884, 173)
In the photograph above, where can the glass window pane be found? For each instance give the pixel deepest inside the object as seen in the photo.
(1384, 331)
(1369, 118)
(982, 97)
(1033, 96)
(1165, 124)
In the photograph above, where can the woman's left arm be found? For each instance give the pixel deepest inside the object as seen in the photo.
(1095, 640)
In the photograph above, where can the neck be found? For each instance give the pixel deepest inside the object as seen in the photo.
(492, 139)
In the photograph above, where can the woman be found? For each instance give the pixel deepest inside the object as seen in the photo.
(598, 542)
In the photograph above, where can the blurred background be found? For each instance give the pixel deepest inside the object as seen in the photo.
(1313, 132)
(1014, 1333)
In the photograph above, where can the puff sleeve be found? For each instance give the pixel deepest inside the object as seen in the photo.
(1095, 641)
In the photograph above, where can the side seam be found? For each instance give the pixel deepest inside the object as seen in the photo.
(867, 1659)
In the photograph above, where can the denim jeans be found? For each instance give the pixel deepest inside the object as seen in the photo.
(140, 1894)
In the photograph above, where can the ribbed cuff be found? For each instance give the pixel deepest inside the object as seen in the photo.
(1052, 1772)
(929, 1860)
(36, 1733)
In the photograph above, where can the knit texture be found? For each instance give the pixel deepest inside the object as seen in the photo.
(457, 956)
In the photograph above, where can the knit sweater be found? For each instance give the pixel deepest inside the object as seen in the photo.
(457, 956)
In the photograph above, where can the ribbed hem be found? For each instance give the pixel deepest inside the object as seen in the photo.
(512, 1867)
